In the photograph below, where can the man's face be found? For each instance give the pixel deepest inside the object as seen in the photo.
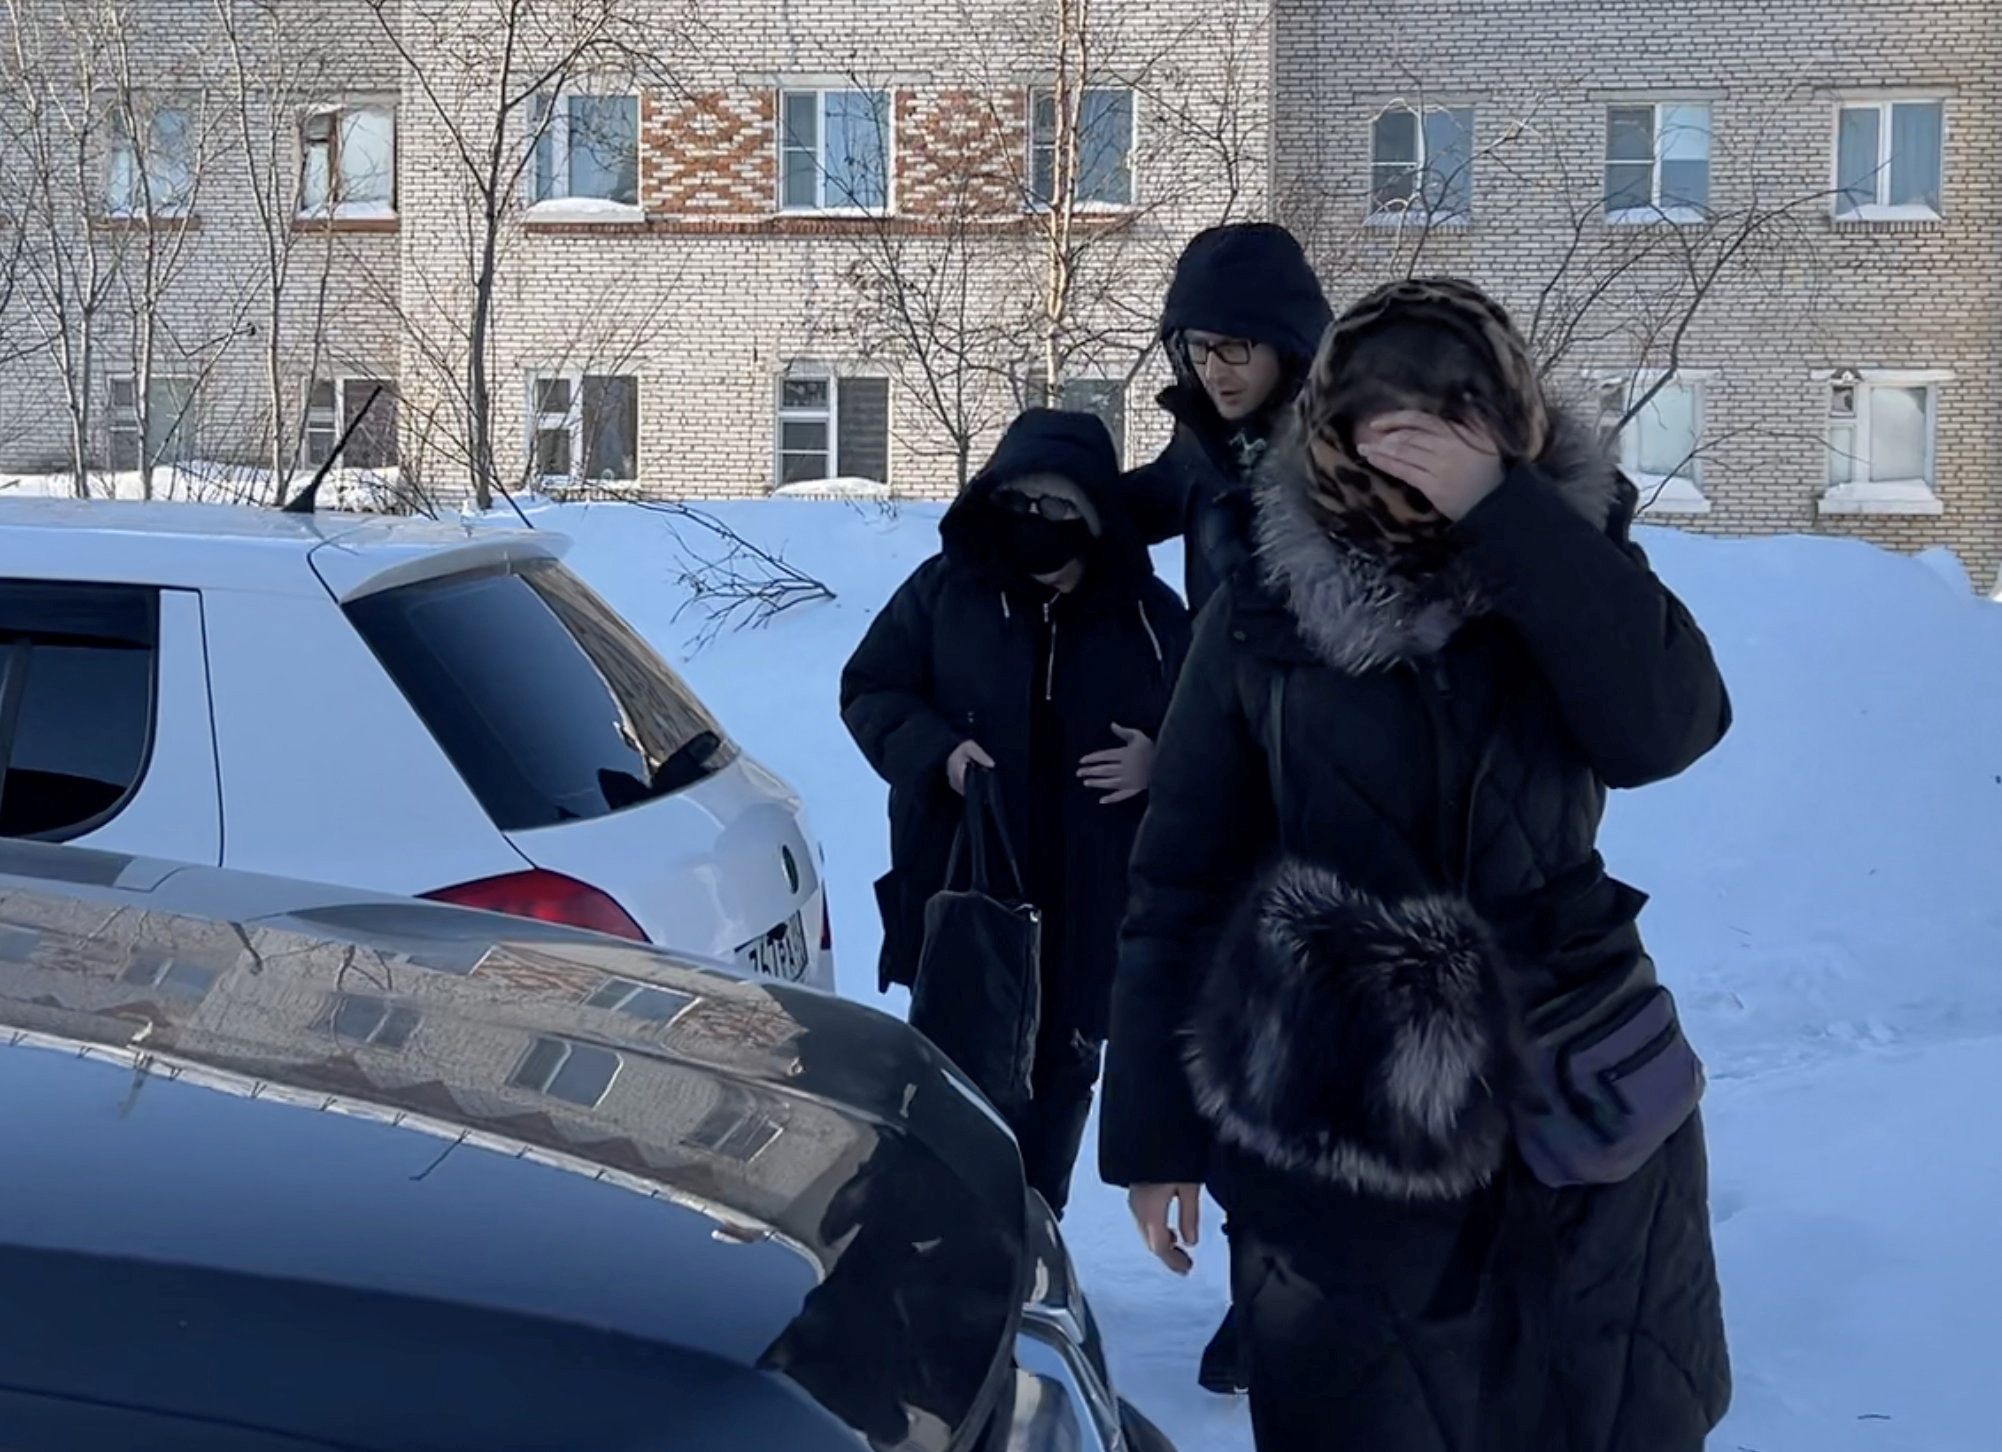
(1239, 375)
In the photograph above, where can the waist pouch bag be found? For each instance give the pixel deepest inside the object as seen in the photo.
(978, 994)
(1616, 1080)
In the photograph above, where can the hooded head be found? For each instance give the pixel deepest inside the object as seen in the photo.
(1245, 282)
(1370, 570)
(1043, 500)
(1434, 345)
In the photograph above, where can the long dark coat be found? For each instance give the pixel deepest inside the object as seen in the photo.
(1444, 748)
(954, 656)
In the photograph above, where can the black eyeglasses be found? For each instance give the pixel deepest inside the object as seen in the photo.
(1053, 507)
(1234, 351)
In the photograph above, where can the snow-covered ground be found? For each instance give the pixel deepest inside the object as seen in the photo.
(1827, 901)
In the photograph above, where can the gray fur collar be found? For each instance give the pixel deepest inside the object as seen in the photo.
(1358, 616)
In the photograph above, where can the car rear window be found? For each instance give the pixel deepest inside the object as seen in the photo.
(550, 706)
(77, 670)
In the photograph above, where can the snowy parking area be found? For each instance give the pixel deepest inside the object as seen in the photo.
(1827, 903)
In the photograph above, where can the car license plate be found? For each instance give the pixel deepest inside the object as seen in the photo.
(781, 953)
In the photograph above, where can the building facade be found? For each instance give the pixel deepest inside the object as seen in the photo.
(801, 244)
(1768, 237)
(834, 246)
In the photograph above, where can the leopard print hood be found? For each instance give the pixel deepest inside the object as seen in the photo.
(1371, 573)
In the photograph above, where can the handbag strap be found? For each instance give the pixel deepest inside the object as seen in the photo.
(984, 825)
(1275, 735)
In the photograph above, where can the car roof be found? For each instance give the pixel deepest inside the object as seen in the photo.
(195, 546)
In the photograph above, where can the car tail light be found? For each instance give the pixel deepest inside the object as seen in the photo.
(547, 897)
(826, 925)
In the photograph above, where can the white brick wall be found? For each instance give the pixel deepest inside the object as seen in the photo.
(711, 296)
(1820, 297)
(215, 315)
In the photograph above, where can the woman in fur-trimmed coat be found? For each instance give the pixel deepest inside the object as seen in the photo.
(1370, 844)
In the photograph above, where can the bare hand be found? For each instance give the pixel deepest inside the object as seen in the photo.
(1455, 466)
(1151, 1205)
(964, 756)
(1123, 772)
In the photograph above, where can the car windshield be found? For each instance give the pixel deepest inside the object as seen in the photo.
(551, 707)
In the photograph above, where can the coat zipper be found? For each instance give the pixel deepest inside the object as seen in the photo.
(1442, 730)
(1160, 656)
(1050, 672)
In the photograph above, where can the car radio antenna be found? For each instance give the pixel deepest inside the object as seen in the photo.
(305, 501)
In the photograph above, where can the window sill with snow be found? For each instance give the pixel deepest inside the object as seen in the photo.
(583, 212)
(1910, 496)
(1663, 494)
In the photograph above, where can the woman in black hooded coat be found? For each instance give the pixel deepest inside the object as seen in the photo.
(1060, 689)
(1370, 844)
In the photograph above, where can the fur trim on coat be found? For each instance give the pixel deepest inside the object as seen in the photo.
(1368, 1043)
(1357, 613)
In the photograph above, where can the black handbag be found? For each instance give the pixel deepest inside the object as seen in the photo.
(978, 994)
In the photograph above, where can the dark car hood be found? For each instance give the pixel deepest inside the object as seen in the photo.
(389, 1115)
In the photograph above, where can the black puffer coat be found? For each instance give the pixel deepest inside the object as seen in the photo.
(1244, 280)
(953, 657)
(1443, 754)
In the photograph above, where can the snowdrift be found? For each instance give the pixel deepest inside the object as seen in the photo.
(1826, 899)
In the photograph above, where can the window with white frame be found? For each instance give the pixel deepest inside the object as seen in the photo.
(1658, 162)
(586, 150)
(1103, 397)
(1880, 442)
(834, 150)
(156, 179)
(176, 977)
(575, 1073)
(641, 1000)
(1422, 164)
(833, 428)
(737, 1127)
(362, 1018)
(1889, 160)
(163, 431)
(1101, 123)
(332, 404)
(583, 428)
(1656, 426)
(348, 161)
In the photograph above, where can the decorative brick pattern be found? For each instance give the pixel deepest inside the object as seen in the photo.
(710, 154)
(962, 152)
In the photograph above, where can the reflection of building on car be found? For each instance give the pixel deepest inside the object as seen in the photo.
(405, 706)
(530, 1185)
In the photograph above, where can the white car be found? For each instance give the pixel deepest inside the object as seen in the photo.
(410, 707)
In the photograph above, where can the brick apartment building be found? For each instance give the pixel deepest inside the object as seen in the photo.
(817, 242)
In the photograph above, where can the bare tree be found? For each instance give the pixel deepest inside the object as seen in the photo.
(1620, 292)
(110, 159)
(56, 71)
(495, 80)
(275, 70)
(1038, 247)
(164, 140)
(924, 302)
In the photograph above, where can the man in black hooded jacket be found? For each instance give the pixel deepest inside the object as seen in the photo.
(1243, 317)
(1242, 321)
(1038, 645)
